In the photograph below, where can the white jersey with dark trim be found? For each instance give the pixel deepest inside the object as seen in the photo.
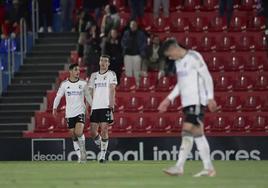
(100, 83)
(75, 94)
(195, 84)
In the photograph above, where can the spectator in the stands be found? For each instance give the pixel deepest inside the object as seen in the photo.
(12, 20)
(137, 9)
(92, 49)
(45, 15)
(154, 59)
(67, 7)
(133, 44)
(110, 20)
(226, 7)
(157, 6)
(112, 47)
(84, 23)
(264, 4)
(94, 6)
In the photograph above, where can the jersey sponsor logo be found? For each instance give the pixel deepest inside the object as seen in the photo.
(74, 93)
(102, 84)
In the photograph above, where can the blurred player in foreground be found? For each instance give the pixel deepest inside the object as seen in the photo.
(102, 86)
(195, 87)
(75, 91)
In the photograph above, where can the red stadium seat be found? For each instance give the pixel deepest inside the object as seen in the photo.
(161, 124)
(209, 5)
(122, 123)
(223, 83)
(261, 43)
(264, 106)
(177, 123)
(215, 64)
(247, 5)
(190, 5)
(146, 84)
(160, 25)
(218, 24)
(219, 123)
(260, 123)
(175, 105)
(127, 84)
(252, 104)
(134, 104)
(199, 24)
(61, 125)
(189, 42)
(252, 63)
(234, 63)
(165, 84)
(175, 5)
(225, 43)
(50, 99)
(261, 83)
(232, 104)
(243, 83)
(256, 23)
(141, 124)
(151, 104)
(120, 103)
(179, 24)
(44, 122)
(238, 24)
(245, 43)
(240, 124)
(207, 44)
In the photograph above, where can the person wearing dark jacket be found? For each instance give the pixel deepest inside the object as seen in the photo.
(133, 44)
(112, 47)
(154, 60)
(92, 50)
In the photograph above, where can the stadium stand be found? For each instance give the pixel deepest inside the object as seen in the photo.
(236, 57)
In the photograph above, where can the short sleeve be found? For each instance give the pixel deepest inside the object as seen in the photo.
(91, 81)
(113, 79)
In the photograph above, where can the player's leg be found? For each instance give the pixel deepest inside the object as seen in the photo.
(71, 126)
(79, 128)
(94, 131)
(104, 140)
(75, 144)
(204, 151)
(185, 149)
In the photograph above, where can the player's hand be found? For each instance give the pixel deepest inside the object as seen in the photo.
(54, 112)
(212, 105)
(164, 105)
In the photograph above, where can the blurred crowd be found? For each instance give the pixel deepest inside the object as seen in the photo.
(101, 31)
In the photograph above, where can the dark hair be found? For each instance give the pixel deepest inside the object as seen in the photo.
(105, 56)
(168, 43)
(72, 66)
(113, 9)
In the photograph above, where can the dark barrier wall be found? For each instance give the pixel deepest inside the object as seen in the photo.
(222, 148)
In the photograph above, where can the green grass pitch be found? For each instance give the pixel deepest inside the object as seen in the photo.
(135, 174)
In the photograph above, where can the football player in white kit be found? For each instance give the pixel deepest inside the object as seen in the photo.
(195, 87)
(102, 86)
(75, 91)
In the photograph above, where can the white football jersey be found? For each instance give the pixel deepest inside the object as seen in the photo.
(75, 93)
(194, 82)
(100, 83)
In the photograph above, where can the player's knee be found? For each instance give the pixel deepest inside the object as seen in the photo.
(93, 134)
